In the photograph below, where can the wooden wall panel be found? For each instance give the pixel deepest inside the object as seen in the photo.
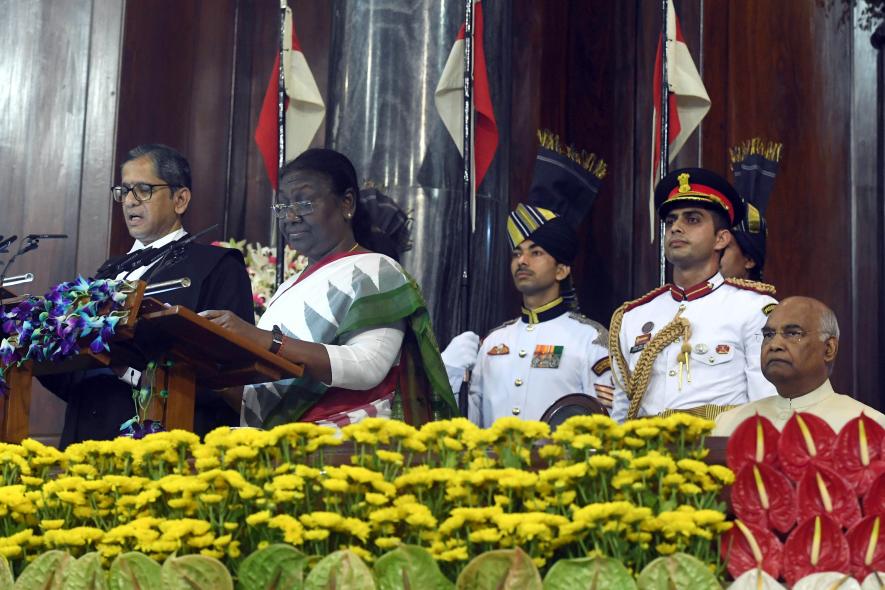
(600, 118)
(867, 235)
(793, 91)
(58, 80)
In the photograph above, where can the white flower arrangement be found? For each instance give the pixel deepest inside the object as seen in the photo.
(261, 265)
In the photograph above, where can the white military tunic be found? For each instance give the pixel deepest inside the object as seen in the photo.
(726, 324)
(527, 364)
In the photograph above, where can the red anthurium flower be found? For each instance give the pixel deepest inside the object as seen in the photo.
(874, 500)
(753, 441)
(823, 491)
(747, 547)
(866, 543)
(858, 452)
(763, 496)
(816, 545)
(806, 439)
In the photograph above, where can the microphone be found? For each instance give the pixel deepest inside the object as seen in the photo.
(30, 242)
(46, 236)
(4, 244)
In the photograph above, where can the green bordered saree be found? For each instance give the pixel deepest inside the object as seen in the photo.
(330, 301)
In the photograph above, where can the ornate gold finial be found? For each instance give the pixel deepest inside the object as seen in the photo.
(684, 186)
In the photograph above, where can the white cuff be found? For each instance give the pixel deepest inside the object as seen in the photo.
(366, 358)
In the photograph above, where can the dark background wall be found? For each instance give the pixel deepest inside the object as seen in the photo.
(82, 81)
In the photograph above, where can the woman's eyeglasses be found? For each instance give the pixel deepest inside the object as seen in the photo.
(298, 209)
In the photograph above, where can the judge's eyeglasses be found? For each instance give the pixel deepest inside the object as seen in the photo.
(298, 208)
(142, 191)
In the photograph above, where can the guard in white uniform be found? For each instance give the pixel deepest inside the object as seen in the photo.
(530, 362)
(527, 364)
(694, 347)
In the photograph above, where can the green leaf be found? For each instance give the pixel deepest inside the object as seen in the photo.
(195, 572)
(277, 567)
(6, 579)
(502, 569)
(86, 573)
(677, 572)
(510, 459)
(409, 567)
(47, 572)
(134, 571)
(342, 570)
(589, 573)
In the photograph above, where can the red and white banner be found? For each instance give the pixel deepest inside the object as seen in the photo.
(449, 99)
(304, 105)
(688, 99)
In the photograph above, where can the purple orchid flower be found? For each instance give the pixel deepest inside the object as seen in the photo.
(140, 430)
(51, 327)
(67, 346)
(7, 352)
(98, 345)
(107, 331)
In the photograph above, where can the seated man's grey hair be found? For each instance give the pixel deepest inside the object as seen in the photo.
(829, 326)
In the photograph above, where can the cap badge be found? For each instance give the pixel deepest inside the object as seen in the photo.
(684, 185)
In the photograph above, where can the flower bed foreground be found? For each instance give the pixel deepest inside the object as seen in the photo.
(632, 493)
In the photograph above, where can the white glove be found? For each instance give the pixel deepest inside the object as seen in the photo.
(460, 356)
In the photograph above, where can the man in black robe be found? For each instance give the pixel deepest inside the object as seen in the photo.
(154, 194)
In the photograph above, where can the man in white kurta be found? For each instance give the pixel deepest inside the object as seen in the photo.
(800, 342)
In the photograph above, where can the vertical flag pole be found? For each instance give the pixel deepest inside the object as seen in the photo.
(469, 188)
(664, 161)
(281, 125)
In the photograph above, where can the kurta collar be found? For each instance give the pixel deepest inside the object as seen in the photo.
(803, 402)
(696, 291)
(546, 312)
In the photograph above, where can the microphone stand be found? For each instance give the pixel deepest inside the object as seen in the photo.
(31, 242)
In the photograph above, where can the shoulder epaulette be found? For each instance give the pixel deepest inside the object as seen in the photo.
(601, 331)
(748, 285)
(504, 325)
(646, 298)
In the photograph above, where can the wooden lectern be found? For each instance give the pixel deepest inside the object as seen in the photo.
(202, 354)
